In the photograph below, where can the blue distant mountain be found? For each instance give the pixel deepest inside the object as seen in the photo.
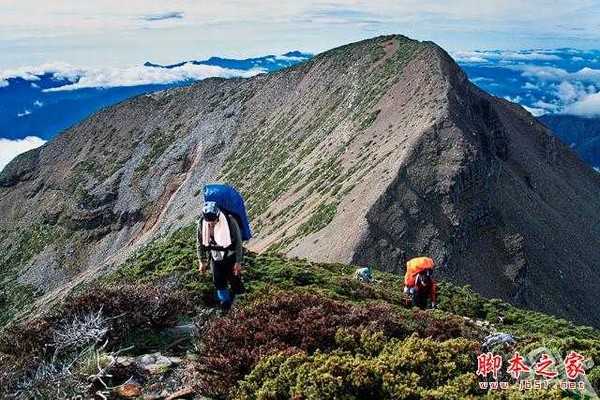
(582, 134)
(44, 104)
(29, 111)
(269, 63)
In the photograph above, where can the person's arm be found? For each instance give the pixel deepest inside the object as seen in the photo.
(236, 240)
(433, 294)
(200, 249)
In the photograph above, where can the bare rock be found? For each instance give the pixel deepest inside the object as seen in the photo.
(129, 390)
(154, 363)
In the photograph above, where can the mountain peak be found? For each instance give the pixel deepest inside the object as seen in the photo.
(370, 153)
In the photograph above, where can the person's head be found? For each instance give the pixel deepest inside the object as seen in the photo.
(426, 277)
(210, 212)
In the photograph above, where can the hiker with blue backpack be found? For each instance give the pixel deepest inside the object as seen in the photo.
(222, 228)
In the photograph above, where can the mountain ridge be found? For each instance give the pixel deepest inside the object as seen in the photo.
(369, 153)
(286, 60)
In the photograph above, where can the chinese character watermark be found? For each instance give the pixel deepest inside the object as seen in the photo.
(540, 369)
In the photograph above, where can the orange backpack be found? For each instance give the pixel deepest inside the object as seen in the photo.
(414, 267)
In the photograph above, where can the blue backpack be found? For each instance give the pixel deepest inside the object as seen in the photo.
(231, 201)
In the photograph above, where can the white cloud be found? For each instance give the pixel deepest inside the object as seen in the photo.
(551, 107)
(568, 92)
(502, 56)
(139, 75)
(587, 74)
(530, 86)
(291, 58)
(571, 92)
(536, 112)
(24, 113)
(481, 79)
(32, 73)
(543, 73)
(9, 149)
(38, 103)
(588, 106)
(527, 56)
(547, 88)
(468, 57)
(105, 77)
(516, 99)
(550, 73)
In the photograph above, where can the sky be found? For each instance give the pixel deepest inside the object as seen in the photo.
(119, 33)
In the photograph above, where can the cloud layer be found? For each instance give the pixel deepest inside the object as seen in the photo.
(49, 98)
(543, 81)
(107, 77)
(9, 149)
(163, 16)
(129, 32)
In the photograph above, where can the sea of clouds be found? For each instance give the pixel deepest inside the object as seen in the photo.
(69, 78)
(108, 77)
(565, 81)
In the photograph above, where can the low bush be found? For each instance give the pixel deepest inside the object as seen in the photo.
(412, 368)
(26, 340)
(123, 309)
(37, 350)
(292, 321)
(379, 368)
(131, 308)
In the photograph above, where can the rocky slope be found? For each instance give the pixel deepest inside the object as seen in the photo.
(369, 153)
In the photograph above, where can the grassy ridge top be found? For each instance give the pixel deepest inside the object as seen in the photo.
(269, 274)
(175, 255)
(304, 330)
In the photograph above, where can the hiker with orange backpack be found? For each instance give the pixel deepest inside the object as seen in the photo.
(419, 284)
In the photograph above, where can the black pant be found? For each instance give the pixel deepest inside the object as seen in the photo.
(421, 297)
(223, 277)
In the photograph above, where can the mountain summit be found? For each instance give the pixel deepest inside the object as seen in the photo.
(369, 153)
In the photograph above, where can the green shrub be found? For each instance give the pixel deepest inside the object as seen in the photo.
(293, 321)
(319, 219)
(411, 368)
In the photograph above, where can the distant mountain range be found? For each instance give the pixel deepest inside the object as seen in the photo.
(582, 134)
(44, 102)
(268, 63)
